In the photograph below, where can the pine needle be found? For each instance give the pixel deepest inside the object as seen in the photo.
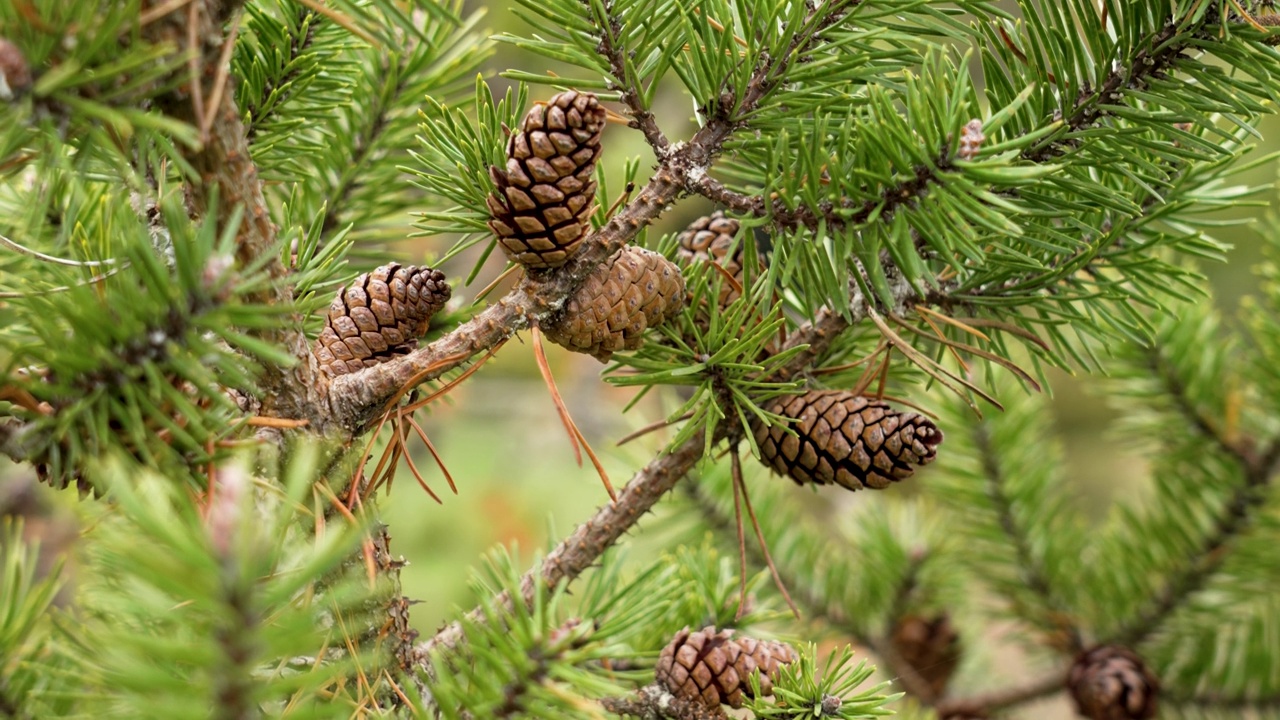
(576, 438)
(764, 546)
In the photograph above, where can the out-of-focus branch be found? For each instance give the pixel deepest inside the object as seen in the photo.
(1259, 467)
(1004, 698)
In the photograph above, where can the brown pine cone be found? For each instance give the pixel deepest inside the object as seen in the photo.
(930, 646)
(709, 239)
(712, 667)
(380, 315)
(846, 439)
(1110, 682)
(15, 73)
(633, 290)
(543, 199)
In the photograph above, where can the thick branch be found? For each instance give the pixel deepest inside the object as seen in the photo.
(222, 160)
(584, 547)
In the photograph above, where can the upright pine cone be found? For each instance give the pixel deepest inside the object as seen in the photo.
(708, 239)
(712, 667)
(1110, 682)
(931, 646)
(633, 290)
(846, 439)
(378, 316)
(540, 209)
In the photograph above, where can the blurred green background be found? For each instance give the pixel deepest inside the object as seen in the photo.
(503, 442)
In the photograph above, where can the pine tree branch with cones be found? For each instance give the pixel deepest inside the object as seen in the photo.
(897, 224)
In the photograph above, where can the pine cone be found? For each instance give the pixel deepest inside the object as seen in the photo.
(543, 199)
(846, 439)
(1110, 682)
(633, 290)
(712, 667)
(930, 646)
(708, 239)
(15, 73)
(379, 316)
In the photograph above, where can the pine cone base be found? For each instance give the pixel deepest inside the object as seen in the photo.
(846, 439)
(712, 667)
(380, 315)
(633, 290)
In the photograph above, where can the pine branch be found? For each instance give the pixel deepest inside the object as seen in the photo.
(365, 144)
(298, 47)
(1033, 572)
(588, 542)
(833, 216)
(630, 95)
(1259, 468)
(233, 686)
(1154, 58)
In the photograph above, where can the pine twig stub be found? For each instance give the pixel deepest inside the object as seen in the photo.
(632, 291)
(712, 666)
(843, 438)
(380, 315)
(543, 200)
(1110, 682)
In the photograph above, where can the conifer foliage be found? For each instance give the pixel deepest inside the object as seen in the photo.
(913, 211)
